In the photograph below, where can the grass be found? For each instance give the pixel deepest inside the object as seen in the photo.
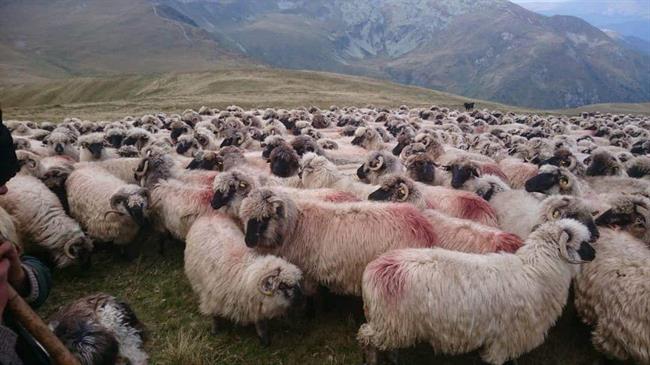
(115, 97)
(104, 98)
(157, 289)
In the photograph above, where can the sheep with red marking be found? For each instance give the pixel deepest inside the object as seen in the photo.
(232, 281)
(455, 203)
(333, 254)
(416, 295)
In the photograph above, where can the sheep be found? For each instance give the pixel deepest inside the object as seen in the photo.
(43, 224)
(187, 145)
(563, 157)
(108, 209)
(175, 205)
(520, 212)
(317, 172)
(332, 254)
(517, 172)
(368, 138)
(377, 165)
(240, 138)
(100, 329)
(629, 212)
(611, 296)
(639, 168)
(234, 282)
(603, 163)
(413, 295)
(60, 142)
(455, 203)
(137, 137)
(556, 180)
(91, 148)
(8, 229)
(284, 161)
(115, 136)
(231, 187)
(122, 168)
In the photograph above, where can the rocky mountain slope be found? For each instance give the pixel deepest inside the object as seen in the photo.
(489, 49)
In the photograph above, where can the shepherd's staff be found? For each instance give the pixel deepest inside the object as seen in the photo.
(23, 313)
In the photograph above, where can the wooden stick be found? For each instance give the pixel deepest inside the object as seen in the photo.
(23, 313)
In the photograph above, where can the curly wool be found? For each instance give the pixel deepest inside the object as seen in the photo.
(226, 275)
(611, 295)
(89, 196)
(41, 220)
(416, 295)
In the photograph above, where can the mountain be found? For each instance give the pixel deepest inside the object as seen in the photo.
(632, 42)
(486, 49)
(489, 49)
(627, 17)
(54, 38)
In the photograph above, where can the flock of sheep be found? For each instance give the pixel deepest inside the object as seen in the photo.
(464, 230)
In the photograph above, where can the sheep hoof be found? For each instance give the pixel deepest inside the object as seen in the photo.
(262, 329)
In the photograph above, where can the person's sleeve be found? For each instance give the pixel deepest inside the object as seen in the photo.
(40, 281)
(8, 354)
(8, 161)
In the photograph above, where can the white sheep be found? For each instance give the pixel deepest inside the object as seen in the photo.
(109, 209)
(611, 294)
(501, 304)
(234, 282)
(42, 222)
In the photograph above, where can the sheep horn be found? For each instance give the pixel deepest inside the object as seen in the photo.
(112, 212)
(66, 250)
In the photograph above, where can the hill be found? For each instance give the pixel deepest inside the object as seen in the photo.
(60, 38)
(115, 97)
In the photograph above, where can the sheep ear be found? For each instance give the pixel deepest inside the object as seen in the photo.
(641, 209)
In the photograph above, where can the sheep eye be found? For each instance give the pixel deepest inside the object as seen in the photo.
(564, 181)
(564, 163)
(556, 214)
(243, 185)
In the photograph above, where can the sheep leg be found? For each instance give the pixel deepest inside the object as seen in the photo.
(128, 252)
(217, 323)
(262, 329)
(372, 356)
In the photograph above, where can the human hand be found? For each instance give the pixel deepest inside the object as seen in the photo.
(15, 273)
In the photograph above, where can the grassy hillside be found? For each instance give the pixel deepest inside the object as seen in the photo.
(115, 97)
(101, 98)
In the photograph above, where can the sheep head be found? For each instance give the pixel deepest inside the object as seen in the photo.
(270, 217)
(568, 238)
(284, 161)
(554, 180)
(132, 201)
(603, 163)
(558, 207)
(421, 167)
(400, 189)
(278, 282)
(230, 188)
(631, 213)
